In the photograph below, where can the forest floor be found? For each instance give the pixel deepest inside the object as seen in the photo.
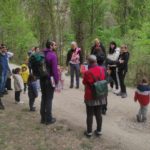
(21, 129)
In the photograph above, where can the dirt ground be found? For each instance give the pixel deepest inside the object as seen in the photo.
(21, 130)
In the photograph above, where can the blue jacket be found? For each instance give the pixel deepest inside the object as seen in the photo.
(4, 62)
(33, 90)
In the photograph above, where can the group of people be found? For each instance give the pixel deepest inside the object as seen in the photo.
(99, 65)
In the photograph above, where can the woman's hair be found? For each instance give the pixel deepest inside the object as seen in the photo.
(124, 46)
(49, 44)
(31, 78)
(16, 71)
(111, 51)
(144, 80)
(96, 40)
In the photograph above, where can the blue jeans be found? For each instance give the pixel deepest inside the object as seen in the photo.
(3, 82)
(75, 70)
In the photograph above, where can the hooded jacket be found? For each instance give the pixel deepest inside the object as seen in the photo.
(51, 64)
(25, 74)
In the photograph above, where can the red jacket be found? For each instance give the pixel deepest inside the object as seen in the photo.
(142, 97)
(88, 80)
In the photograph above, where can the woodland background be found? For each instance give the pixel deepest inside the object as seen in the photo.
(28, 23)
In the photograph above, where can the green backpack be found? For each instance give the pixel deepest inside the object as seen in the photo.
(99, 88)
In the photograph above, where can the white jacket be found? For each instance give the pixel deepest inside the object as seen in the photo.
(18, 82)
(115, 55)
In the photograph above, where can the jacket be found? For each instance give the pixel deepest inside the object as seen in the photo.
(100, 54)
(18, 82)
(25, 74)
(88, 80)
(142, 95)
(51, 64)
(69, 56)
(4, 62)
(33, 90)
(123, 66)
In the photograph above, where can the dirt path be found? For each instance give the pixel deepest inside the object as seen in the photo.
(119, 125)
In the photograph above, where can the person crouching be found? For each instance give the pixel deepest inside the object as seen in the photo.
(93, 107)
(32, 91)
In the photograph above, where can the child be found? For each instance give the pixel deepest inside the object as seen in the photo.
(18, 84)
(142, 94)
(32, 91)
(25, 75)
(60, 85)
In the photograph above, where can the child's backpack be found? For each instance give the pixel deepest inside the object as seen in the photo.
(38, 65)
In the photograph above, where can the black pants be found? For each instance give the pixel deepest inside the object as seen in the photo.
(122, 74)
(46, 102)
(17, 96)
(114, 77)
(8, 84)
(31, 103)
(91, 111)
(25, 87)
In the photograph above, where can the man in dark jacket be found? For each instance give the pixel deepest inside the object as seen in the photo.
(74, 59)
(99, 51)
(48, 83)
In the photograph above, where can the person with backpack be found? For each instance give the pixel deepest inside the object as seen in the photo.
(99, 51)
(122, 65)
(112, 57)
(74, 59)
(32, 91)
(48, 83)
(95, 94)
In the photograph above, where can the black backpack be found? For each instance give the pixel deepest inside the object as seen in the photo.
(38, 65)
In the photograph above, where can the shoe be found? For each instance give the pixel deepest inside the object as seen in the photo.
(1, 105)
(42, 121)
(138, 118)
(1, 95)
(144, 119)
(88, 135)
(119, 94)
(116, 91)
(103, 112)
(21, 102)
(98, 133)
(16, 102)
(124, 95)
(77, 87)
(53, 120)
(71, 86)
(10, 89)
(33, 109)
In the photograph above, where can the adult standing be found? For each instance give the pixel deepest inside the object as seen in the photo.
(93, 107)
(99, 51)
(74, 59)
(5, 68)
(47, 85)
(122, 65)
(112, 57)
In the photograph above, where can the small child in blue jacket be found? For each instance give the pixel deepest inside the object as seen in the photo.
(32, 91)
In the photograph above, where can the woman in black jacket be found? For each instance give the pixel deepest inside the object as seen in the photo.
(99, 51)
(122, 65)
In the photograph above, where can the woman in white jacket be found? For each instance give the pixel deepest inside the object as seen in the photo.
(112, 57)
(18, 84)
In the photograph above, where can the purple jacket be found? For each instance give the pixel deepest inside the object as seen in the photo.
(51, 61)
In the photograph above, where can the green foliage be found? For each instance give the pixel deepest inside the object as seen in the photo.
(15, 29)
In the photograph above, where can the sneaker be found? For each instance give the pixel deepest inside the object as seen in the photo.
(53, 120)
(144, 119)
(98, 133)
(116, 91)
(119, 94)
(138, 118)
(21, 102)
(87, 134)
(77, 87)
(33, 109)
(124, 95)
